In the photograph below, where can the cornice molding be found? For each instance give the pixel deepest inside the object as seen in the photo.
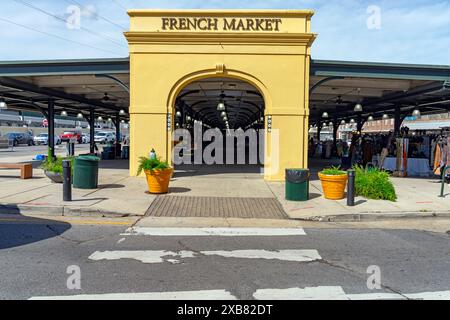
(216, 38)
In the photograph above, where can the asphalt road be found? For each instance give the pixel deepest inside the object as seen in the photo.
(22, 150)
(35, 255)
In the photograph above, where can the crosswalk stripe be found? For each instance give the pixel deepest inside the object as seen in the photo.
(222, 232)
(181, 295)
(337, 293)
(308, 293)
(160, 256)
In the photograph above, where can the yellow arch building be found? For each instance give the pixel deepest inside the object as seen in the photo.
(269, 49)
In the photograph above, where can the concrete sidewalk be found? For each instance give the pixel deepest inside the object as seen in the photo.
(119, 195)
(417, 198)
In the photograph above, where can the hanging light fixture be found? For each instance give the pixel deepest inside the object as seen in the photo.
(223, 114)
(3, 104)
(123, 121)
(352, 121)
(370, 118)
(225, 118)
(325, 115)
(342, 122)
(358, 107)
(330, 124)
(100, 118)
(385, 116)
(221, 106)
(416, 113)
(188, 118)
(64, 113)
(80, 115)
(122, 112)
(178, 114)
(109, 120)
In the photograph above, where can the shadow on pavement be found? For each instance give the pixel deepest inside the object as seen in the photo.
(17, 230)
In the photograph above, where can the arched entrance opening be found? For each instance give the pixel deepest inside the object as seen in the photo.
(219, 127)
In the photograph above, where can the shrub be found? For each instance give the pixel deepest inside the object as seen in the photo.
(55, 165)
(333, 171)
(148, 164)
(373, 183)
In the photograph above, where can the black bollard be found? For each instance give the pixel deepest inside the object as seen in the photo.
(351, 188)
(67, 180)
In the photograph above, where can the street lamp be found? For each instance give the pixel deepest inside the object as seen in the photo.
(3, 104)
(358, 107)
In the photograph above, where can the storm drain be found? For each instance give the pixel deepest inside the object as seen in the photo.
(215, 207)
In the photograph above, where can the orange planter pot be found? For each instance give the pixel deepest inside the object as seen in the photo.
(333, 186)
(158, 180)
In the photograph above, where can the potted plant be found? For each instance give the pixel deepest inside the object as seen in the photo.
(334, 181)
(158, 174)
(53, 167)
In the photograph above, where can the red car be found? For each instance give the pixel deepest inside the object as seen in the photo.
(68, 135)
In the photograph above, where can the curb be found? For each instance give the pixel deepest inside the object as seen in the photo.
(61, 211)
(367, 217)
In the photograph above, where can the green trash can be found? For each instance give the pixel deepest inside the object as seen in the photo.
(297, 184)
(85, 172)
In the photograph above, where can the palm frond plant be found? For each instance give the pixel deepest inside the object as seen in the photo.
(158, 174)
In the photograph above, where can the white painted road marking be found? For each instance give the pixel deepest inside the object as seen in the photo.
(157, 256)
(182, 295)
(222, 232)
(308, 293)
(337, 293)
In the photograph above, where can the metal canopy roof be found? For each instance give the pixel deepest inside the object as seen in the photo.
(336, 86)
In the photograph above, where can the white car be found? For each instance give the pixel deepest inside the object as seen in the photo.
(85, 138)
(104, 137)
(42, 138)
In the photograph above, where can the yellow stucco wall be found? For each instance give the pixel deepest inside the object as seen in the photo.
(275, 62)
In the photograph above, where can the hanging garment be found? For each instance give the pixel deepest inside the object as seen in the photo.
(384, 154)
(433, 151)
(437, 160)
(405, 157)
(399, 152)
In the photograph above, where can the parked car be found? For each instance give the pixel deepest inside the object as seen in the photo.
(20, 138)
(104, 137)
(68, 135)
(86, 138)
(42, 138)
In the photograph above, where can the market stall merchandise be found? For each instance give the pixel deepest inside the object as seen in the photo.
(416, 167)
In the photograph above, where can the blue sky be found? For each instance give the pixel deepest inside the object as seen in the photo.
(408, 31)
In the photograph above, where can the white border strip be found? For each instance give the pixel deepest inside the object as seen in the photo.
(220, 232)
(181, 295)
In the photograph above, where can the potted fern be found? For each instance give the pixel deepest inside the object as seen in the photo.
(158, 174)
(53, 167)
(334, 181)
